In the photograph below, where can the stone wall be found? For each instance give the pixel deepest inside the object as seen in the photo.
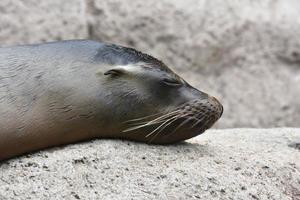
(247, 53)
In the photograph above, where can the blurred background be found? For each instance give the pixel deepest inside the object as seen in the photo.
(246, 53)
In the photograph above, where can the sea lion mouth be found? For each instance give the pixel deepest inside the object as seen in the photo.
(194, 117)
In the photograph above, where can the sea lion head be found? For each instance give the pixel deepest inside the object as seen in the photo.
(154, 104)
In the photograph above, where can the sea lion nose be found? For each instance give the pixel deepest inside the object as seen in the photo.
(222, 109)
(216, 105)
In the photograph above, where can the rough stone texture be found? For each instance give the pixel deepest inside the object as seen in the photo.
(220, 164)
(247, 53)
(34, 21)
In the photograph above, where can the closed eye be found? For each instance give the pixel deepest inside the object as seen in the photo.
(114, 72)
(172, 82)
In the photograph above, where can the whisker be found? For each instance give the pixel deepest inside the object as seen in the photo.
(140, 126)
(198, 121)
(160, 126)
(169, 114)
(162, 129)
(165, 126)
(152, 122)
(184, 122)
(207, 121)
(141, 118)
(146, 122)
(168, 124)
(161, 117)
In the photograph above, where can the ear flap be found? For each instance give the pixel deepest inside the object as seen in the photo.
(114, 72)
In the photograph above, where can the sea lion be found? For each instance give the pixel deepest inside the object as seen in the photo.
(62, 92)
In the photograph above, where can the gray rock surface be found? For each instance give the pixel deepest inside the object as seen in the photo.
(247, 53)
(220, 164)
(31, 21)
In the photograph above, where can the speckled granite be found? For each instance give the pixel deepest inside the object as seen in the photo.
(220, 164)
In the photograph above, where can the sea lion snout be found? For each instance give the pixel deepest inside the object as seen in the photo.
(203, 103)
(203, 112)
(216, 106)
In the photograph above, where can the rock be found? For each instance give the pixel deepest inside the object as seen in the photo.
(23, 22)
(220, 164)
